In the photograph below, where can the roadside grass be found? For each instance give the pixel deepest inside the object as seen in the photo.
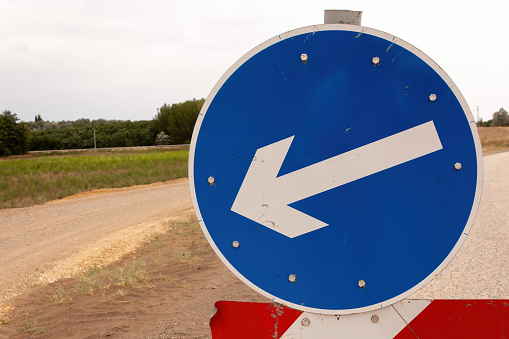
(26, 181)
(112, 283)
(30, 325)
(140, 273)
(494, 139)
(36, 179)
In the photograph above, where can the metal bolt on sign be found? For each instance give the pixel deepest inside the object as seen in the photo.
(457, 166)
(374, 318)
(292, 278)
(211, 180)
(376, 60)
(335, 16)
(432, 97)
(235, 244)
(305, 322)
(304, 57)
(362, 283)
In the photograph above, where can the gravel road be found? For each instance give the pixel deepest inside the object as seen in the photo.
(33, 239)
(480, 269)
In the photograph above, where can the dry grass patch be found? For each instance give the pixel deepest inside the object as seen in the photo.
(112, 282)
(30, 325)
(494, 139)
(139, 272)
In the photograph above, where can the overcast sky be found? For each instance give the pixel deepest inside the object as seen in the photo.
(122, 59)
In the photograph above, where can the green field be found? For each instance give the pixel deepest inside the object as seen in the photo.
(36, 179)
(30, 180)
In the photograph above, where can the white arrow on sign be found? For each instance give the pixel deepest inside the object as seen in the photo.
(264, 197)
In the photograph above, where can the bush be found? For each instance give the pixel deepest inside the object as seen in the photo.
(162, 139)
(14, 136)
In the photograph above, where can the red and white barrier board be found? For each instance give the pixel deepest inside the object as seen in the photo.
(407, 319)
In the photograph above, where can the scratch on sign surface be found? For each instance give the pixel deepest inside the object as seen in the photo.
(388, 48)
(349, 128)
(360, 33)
(346, 233)
(281, 69)
(396, 56)
(276, 324)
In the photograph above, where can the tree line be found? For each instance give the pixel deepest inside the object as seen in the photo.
(500, 119)
(80, 134)
(173, 124)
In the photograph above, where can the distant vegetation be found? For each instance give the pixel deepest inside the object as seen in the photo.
(173, 124)
(79, 134)
(31, 180)
(14, 136)
(178, 120)
(34, 179)
(500, 119)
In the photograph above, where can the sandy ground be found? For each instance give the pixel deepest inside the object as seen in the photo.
(43, 243)
(185, 277)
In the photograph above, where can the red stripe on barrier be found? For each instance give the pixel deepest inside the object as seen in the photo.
(476, 319)
(246, 320)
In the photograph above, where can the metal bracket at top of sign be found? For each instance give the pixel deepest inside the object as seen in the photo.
(333, 16)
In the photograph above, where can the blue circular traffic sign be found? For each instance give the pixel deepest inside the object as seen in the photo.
(335, 169)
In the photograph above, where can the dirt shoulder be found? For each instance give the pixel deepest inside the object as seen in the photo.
(164, 289)
(41, 244)
(97, 264)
